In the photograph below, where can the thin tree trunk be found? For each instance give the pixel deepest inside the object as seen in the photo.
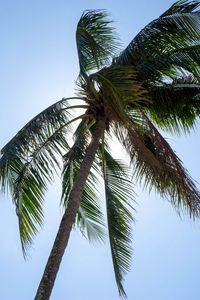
(68, 219)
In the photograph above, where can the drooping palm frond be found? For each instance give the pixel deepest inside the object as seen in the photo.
(175, 106)
(29, 161)
(156, 165)
(119, 194)
(183, 193)
(96, 40)
(36, 133)
(89, 216)
(167, 43)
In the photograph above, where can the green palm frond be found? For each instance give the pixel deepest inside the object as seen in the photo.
(156, 79)
(46, 132)
(162, 36)
(175, 106)
(167, 40)
(124, 80)
(96, 41)
(181, 6)
(119, 90)
(28, 163)
(89, 216)
(171, 65)
(119, 194)
(156, 165)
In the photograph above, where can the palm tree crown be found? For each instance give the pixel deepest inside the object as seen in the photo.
(154, 83)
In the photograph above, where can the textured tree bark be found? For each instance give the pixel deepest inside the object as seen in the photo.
(68, 219)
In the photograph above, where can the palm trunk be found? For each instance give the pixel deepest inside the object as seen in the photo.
(68, 219)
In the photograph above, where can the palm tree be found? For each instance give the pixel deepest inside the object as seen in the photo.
(153, 83)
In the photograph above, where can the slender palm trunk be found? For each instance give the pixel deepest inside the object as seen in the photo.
(61, 241)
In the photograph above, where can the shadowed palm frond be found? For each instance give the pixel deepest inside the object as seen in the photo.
(181, 190)
(111, 99)
(175, 106)
(96, 40)
(171, 65)
(156, 165)
(119, 194)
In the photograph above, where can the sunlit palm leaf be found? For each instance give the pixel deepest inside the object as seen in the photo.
(28, 191)
(119, 194)
(90, 217)
(29, 161)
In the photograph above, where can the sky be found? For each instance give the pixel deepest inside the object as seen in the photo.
(39, 66)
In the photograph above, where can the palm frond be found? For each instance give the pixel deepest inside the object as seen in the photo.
(89, 217)
(168, 38)
(175, 106)
(96, 40)
(119, 89)
(119, 194)
(124, 80)
(156, 163)
(181, 6)
(170, 65)
(28, 163)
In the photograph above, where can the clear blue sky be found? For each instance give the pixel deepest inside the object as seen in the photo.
(39, 66)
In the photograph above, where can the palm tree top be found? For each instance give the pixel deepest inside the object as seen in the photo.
(153, 83)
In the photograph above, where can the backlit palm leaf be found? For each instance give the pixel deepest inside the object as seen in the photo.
(96, 41)
(181, 6)
(29, 161)
(119, 194)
